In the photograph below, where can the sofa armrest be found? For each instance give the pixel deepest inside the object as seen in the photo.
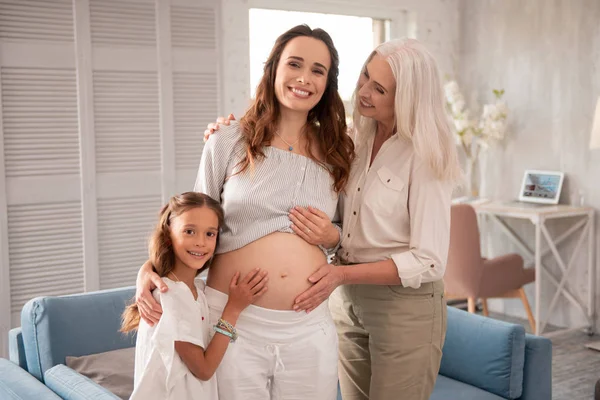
(16, 384)
(16, 351)
(71, 385)
(484, 353)
(537, 374)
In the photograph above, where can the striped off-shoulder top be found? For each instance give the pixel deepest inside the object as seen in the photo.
(257, 202)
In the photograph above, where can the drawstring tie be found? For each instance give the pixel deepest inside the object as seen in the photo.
(273, 349)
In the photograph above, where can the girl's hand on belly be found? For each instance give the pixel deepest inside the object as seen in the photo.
(325, 280)
(314, 226)
(245, 291)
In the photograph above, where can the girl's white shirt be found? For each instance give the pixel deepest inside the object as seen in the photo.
(159, 371)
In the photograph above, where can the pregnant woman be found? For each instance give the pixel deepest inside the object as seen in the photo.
(290, 149)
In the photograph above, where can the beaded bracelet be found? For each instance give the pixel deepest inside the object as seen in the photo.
(233, 331)
(226, 329)
(224, 332)
(226, 325)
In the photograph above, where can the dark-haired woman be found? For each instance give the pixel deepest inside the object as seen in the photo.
(290, 149)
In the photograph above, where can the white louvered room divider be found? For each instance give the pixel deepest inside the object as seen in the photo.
(102, 108)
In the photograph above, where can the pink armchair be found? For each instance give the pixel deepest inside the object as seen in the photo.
(470, 276)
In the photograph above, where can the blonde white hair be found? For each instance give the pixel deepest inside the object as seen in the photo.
(419, 107)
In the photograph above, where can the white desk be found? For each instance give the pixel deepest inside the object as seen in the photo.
(583, 226)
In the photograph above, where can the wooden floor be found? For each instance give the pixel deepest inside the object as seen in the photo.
(575, 368)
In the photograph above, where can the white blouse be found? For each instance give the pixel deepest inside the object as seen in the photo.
(396, 209)
(159, 372)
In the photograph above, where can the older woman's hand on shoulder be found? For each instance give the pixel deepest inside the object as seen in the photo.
(214, 126)
(314, 226)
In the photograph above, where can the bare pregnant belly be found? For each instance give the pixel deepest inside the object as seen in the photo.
(288, 259)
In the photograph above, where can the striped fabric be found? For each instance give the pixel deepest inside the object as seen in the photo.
(257, 203)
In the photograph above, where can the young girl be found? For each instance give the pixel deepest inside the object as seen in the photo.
(175, 359)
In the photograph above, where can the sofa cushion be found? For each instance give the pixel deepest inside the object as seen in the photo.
(484, 353)
(449, 389)
(17, 384)
(71, 385)
(113, 370)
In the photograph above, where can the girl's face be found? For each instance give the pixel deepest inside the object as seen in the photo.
(301, 77)
(377, 88)
(194, 236)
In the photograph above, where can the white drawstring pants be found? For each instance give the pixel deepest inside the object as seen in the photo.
(279, 355)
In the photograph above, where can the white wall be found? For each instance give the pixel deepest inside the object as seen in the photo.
(546, 55)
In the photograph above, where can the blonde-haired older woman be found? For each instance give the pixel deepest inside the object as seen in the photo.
(387, 293)
(389, 305)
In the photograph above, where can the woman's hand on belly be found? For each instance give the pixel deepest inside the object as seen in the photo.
(288, 259)
(325, 280)
(314, 226)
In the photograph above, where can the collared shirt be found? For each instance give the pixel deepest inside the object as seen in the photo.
(396, 209)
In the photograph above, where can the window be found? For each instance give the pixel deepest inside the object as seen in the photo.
(354, 38)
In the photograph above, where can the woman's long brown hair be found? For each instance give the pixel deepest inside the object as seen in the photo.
(160, 248)
(327, 118)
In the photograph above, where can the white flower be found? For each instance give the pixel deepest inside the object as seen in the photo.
(451, 90)
(502, 108)
(493, 130)
(461, 125)
(467, 138)
(491, 111)
(498, 128)
(458, 105)
(484, 132)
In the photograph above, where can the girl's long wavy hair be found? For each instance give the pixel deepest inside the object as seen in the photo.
(327, 118)
(160, 247)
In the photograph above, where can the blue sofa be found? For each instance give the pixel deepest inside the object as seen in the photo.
(484, 359)
(17, 384)
(53, 328)
(487, 359)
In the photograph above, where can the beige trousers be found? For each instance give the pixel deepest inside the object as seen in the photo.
(390, 340)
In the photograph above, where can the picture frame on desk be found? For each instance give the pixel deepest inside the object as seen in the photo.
(535, 192)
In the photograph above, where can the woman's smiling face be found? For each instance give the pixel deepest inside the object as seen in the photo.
(301, 77)
(377, 88)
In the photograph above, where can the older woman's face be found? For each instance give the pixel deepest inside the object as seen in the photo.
(377, 88)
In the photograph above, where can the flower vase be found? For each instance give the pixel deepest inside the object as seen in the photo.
(473, 176)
